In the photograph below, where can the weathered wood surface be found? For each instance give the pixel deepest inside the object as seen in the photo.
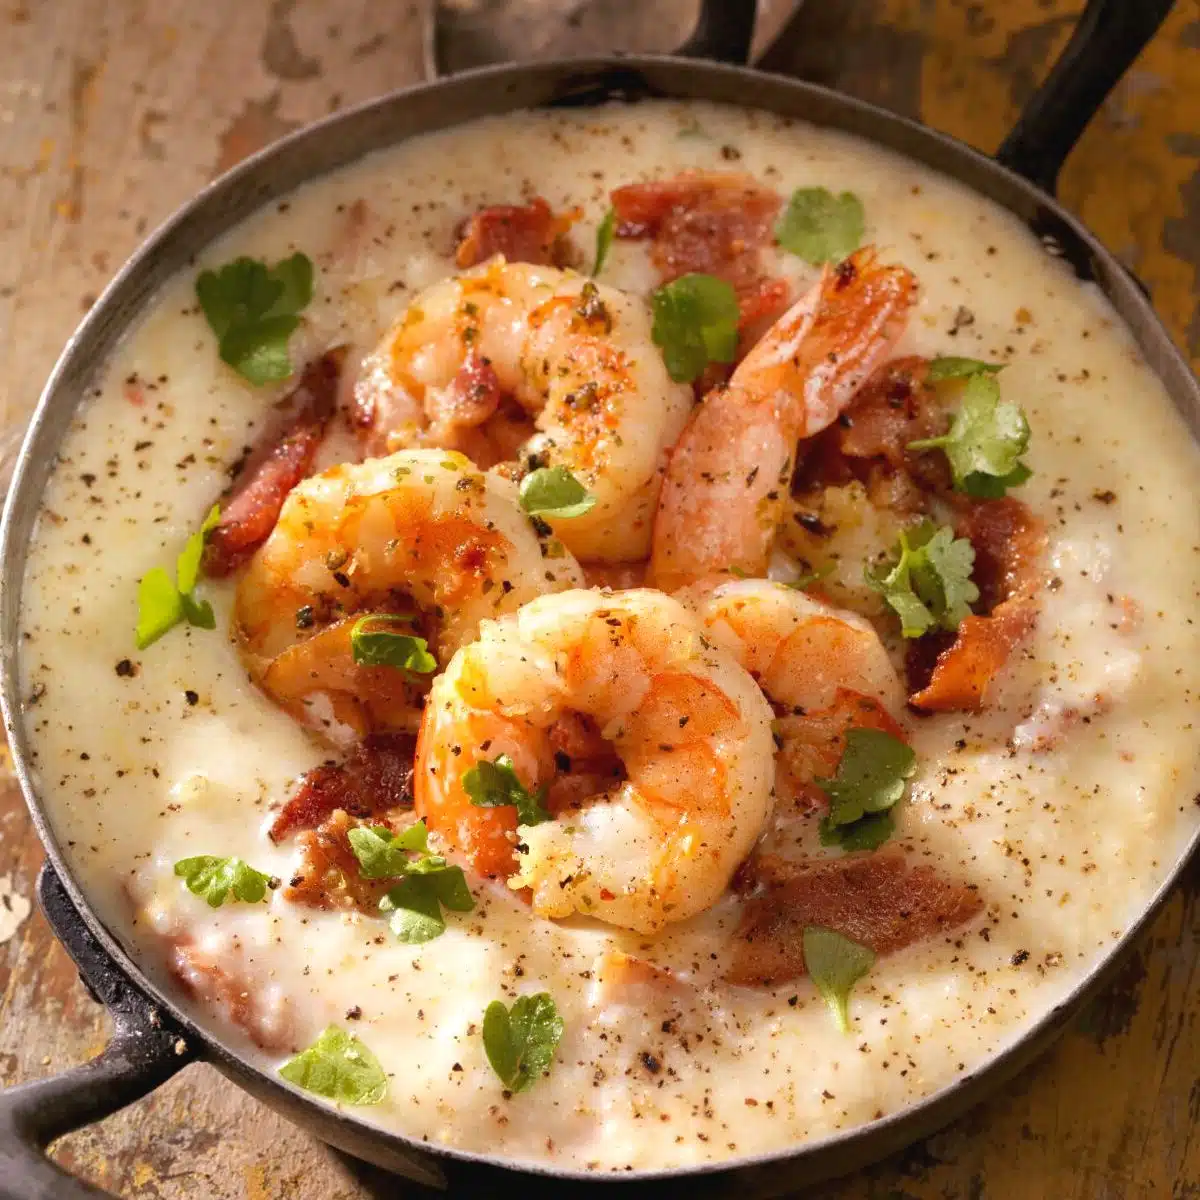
(112, 113)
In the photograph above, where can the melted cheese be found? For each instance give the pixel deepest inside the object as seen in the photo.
(1067, 805)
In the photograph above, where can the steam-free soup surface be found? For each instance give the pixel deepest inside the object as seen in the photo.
(145, 758)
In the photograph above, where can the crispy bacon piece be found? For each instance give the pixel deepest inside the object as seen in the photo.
(327, 875)
(527, 233)
(878, 900)
(712, 222)
(812, 744)
(251, 507)
(374, 779)
(1008, 541)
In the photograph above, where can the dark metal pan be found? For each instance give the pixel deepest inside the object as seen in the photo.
(153, 1038)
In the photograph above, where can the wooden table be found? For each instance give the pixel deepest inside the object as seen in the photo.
(112, 113)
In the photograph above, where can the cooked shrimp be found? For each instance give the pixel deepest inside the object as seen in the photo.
(728, 478)
(823, 669)
(589, 388)
(686, 725)
(421, 533)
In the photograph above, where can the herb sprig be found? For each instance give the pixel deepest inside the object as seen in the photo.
(835, 964)
(496, 785)
(820, 227)
(520, 1041)
(695, 323)
(869, 781)
(219, 879)
(339, 1067)
(164, 603)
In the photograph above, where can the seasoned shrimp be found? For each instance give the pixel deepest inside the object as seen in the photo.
(823, 669)
(728, 479)
(587, 390)
(686, 726)
(420, 533)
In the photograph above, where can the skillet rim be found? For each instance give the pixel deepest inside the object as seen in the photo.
(235, 195)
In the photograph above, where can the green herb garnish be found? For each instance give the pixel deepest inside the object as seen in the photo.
(555, 492)
(695, 323)
(604, 239)
(870, 779)
(163, 604)
(810, 577)
(252, 310)
(495, 785)
(952, 367)
(520, 1041)
(835, 964)
(382, 854)
(929, 584)
(820, 227)
(216, 878)
(373, 647)
(985, 441)
(339, 1067)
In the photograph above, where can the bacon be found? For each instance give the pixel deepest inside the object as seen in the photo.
(375, 778)
(878, 900)
(1009, 541)
(529, 233)
(327, 875)
(251, 507)
(711, 222)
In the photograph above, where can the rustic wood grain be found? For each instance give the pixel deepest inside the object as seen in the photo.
(112, 113)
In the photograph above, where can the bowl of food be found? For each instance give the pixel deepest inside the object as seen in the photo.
(607, 621)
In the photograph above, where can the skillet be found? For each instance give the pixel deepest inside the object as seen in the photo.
(153, 1038)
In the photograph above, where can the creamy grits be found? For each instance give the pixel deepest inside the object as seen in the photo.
(1065, 803)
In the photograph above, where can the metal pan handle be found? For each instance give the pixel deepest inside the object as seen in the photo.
(146, 1049)
(1109, 36)
(724, 31)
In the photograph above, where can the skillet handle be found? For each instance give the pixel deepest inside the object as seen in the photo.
(1109, 36)
(146, 1049)
(724, 32)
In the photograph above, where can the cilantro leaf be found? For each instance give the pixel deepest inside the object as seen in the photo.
(215, 878)
(339, 1067)
(820, 227)
(253, 311)
(985, 441)
(417, 900)
(695, 323)
(555, 492)
(383, 648)
(162, 604)
(952, 367)
(929, 584)
(604, 239)
(520, 1041)
(835, 964)
(495, 785)
(869, 832)
(870, 776)
(382, 854)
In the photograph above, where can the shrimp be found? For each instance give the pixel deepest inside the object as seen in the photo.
(686, 726)
(823, 669)
(728, 477)
(421, 534)
(588, 391)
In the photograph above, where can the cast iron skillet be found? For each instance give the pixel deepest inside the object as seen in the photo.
(153, 1039)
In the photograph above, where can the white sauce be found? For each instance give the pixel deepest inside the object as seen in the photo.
(1066, 843)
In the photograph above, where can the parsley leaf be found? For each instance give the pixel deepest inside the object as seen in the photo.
(214, 878)
(417, 900)
(383, 648)
(252, 310)
(382, 854)
(339, 1067)
(555, 492)
(835, 964)
(695, 323)
(495, 785)
(985, 441)
(952, 367)
(820, 227)
(869, 780)
(929, 585)
(162, 604)
(520, 1041)
(604, 239)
